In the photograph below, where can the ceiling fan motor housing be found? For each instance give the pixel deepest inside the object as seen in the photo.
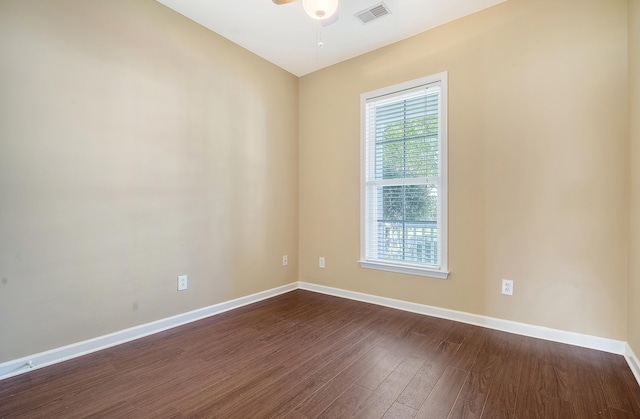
(320, 9)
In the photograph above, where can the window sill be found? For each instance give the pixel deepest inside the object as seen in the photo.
(404, 269)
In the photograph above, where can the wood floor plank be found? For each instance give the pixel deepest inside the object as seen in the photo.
(299, 385)
(444, 395)
(618, 384)
(82, 401)
(559, 409)
(56, 394)
(346, 404)
(501, 400)
(219, 377)
(375, 376)
(388, 391)
(441, 358)
(118, 410)
(303, 355)
(60, 376)
(401, 325)
(230, 395)
(294, 414)
(425, 380)
(399, 411)
(418, 390)
(621, 414)
(264, 330)
(471, 340)
(316, 403)
(582, 379)
(530, 400)
(470, 403)
(433, 327)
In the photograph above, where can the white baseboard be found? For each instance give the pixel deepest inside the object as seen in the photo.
(53, 356)
(633, 362)
(555, 335)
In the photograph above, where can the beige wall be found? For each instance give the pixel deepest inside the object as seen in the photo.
(537, 164)
(135, 146)
(634, 209)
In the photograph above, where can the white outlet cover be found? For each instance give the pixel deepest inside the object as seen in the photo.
(507, 287)
(182, 282)
(321, 262)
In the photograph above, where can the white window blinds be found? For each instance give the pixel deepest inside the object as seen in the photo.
(404, 190)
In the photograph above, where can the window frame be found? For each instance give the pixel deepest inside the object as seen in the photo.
(399, 266)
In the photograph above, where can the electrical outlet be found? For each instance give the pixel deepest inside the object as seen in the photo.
(285, 260)
(182, 282)
(321, 262)
(507, 287)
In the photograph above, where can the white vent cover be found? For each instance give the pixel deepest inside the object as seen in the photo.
(372, 13)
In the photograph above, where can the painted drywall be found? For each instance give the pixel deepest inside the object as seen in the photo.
(538, 181)
(634, 207)
(135, 146)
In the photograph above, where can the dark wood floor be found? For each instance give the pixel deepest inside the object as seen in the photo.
(307, 355)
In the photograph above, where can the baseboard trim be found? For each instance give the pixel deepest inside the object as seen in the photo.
(29, 363)
(555, 335)
(54, 356)
(633, 362)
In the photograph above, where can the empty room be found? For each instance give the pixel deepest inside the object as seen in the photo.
(320, 208)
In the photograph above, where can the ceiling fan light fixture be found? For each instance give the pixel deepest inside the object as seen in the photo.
(320, 9)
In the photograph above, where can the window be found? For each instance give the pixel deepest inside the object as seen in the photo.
(404, 178)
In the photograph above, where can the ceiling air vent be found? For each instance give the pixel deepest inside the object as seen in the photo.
(373, 13)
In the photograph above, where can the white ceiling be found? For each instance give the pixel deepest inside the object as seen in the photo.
(286, 36)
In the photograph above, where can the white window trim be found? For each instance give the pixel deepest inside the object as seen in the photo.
(406, 268)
